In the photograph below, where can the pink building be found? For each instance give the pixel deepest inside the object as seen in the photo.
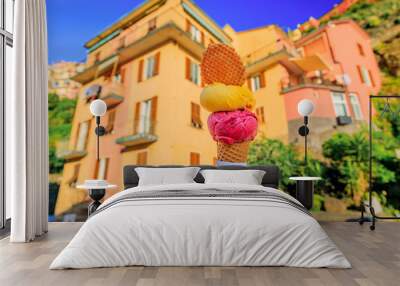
(340, 91)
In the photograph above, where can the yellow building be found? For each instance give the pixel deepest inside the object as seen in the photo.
(60, 75)
(146, 68)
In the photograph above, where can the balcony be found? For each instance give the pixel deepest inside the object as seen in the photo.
(311, 83)
(143, 42)
(71, 155)
(63, 151)
(145, 135)
(112, 94)
(256, 63)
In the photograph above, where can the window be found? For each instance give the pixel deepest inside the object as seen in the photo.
(119, 76)
(371, 78)
(145, 116)
(6, 63)
(195, 115)
(339, 104)
(195, 73)
(194, 158)
(101, 169)
(110, 120)
(116, 78)
(195, 33)
(151, 69)
(364, 75)
(260, 114)
(257, 82)
(82, 136)
(360, 49)
(152, 24)
(141, 158)
(9, 15)
(355, 105)
(192, 71)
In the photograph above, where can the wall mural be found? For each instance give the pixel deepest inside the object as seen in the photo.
(180, 89)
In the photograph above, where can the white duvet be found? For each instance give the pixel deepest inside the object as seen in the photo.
(200, 231)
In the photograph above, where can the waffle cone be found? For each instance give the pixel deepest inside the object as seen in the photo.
(235, 153)
(222, 64)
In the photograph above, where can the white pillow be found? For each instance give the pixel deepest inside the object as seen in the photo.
(166, 176)
(248, 177)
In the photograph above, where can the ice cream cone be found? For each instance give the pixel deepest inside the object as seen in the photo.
(221, 64)
(235, 153)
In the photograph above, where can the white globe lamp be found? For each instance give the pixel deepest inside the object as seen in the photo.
(305, 107)
(98, 108)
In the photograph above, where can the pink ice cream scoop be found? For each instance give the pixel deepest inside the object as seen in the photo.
(233, 126)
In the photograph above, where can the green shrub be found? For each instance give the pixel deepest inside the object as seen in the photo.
(273, 152)
(60, 112)
(318, 204)
(373, 21)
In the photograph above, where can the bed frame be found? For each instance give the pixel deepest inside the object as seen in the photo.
(270, 179)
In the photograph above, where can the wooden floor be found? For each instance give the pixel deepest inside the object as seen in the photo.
(375, 257)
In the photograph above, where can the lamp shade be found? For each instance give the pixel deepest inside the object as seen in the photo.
(305, 107)
(98, 107)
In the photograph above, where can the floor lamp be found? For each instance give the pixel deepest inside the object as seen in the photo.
(305, 184)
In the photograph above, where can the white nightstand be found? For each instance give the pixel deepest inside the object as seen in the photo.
(97, 190)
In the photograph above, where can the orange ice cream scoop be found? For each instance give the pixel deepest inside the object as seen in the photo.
(220, 97)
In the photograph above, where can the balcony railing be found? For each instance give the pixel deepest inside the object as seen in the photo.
(144, 134)
(316, 82)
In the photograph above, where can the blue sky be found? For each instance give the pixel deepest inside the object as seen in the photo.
(72, 22)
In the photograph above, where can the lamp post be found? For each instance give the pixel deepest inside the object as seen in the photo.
(98, 108)
(305, 107)
(305, 185)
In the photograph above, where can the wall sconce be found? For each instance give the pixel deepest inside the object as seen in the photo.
(98, 108)
(305, 107)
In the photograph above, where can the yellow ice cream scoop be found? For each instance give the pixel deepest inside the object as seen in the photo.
(220, 97)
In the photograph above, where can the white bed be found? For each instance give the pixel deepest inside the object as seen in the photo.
(185, 230)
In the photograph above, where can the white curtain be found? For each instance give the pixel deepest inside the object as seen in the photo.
(26, 119)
